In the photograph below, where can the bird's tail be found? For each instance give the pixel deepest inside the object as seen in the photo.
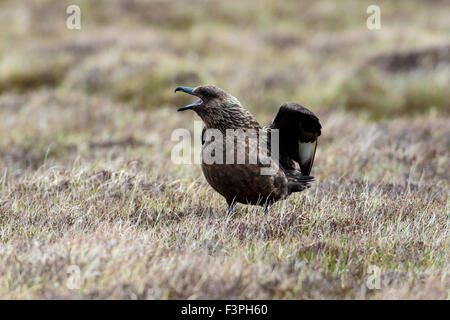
(297, 182)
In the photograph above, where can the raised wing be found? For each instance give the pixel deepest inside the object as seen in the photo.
(299, 129)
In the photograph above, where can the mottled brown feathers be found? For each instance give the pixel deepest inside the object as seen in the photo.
(298, 129)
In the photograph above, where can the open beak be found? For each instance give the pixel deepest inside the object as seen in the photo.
(191, 105)
(191, 92)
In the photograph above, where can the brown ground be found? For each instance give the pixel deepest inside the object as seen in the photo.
(85, 171)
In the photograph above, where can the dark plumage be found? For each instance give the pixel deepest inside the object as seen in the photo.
(298, 129)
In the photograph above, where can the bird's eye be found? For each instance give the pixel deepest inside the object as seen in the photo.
(206, 93)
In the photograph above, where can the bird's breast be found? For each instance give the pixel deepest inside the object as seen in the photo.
(231, 169)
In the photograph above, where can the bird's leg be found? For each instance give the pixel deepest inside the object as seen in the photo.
(266, 207)
(231, 204)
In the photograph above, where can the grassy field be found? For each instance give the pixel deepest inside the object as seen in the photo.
(86, 178)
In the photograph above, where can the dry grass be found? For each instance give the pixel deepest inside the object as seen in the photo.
(86, 177)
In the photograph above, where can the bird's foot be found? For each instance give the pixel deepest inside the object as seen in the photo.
(231, 205)
(229, 212)
(266, 208)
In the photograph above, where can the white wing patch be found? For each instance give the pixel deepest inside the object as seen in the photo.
(305, 151)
